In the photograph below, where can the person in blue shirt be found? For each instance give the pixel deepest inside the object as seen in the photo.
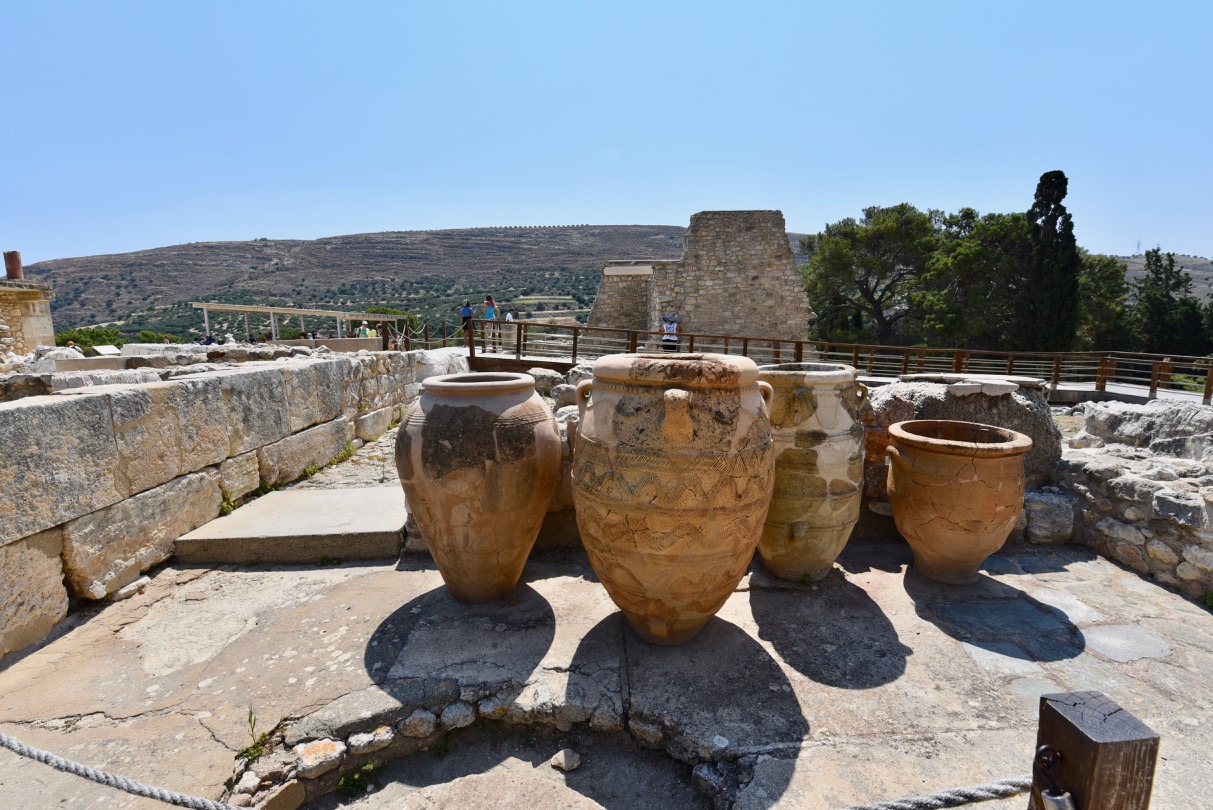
(467, 313)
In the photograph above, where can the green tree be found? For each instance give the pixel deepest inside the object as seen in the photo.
(152, 336)
(862, 272)
(967, 296)
(87, 337)
(1103, 310)
(1048, 300)
(1165, 315)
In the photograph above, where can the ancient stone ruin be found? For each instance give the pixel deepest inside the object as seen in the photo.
(737, 277)
(25, 310)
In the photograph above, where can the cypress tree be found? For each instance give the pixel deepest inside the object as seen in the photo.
(1048, 311)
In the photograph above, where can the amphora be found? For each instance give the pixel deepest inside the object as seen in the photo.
(479, 457)
(956, 489)
(672, 478)
(819, 454)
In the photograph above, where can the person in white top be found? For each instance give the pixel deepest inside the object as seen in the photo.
(670, 329)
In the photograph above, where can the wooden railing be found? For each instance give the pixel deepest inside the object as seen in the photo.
(538, 341)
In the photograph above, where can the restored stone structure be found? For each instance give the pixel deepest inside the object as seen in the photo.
(25, 316)
(1141, 478)
(100, 481)
(737, 277)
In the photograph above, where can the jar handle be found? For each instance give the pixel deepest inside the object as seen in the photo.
(861, 393)
(895, 458)
(584, 389)
(768, 393)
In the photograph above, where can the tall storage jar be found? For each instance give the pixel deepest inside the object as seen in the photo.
(818, 467)
(956, 489)
(671, 479)
(479, 457)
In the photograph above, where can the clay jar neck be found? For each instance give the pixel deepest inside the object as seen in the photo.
(971, 439)
(817, 375)
(497, 385)
(697, 371)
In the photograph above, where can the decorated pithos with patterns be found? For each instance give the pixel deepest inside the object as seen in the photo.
(672, 479)
(479, 457)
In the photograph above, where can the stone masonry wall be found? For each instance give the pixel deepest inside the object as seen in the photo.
(99, 482)
(622, 301)
(737, 277)
(1142, 477)
(25, 316)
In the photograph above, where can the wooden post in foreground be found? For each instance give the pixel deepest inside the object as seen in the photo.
(1107, 756)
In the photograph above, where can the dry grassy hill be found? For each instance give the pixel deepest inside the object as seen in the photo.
(1198, 267)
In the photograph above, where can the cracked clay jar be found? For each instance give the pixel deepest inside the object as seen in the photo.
(956, 489)
(672, 476)
(479, 457)
(818, 467)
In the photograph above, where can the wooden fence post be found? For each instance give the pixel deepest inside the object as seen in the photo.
(1056, 371)
(798, 356)
(631, 342)
(1106, 756)
(958, 362)
(1154, 372)
(1101, 375)
(576, 332)
(517, 340)
(1208, 395)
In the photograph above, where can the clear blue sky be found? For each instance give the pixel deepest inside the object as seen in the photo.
(135, 125)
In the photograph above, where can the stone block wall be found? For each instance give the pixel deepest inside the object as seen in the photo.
(1142, 477)
(25, 316)
(99, 482)
(737, 277)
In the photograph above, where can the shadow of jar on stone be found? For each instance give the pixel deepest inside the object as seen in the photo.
(997, 617)
(708, 702)
(835, 634)
(488, 646)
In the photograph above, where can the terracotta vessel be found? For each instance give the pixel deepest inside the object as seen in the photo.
(672, 478)
(479, 457)
(956, 489)
(818, 467)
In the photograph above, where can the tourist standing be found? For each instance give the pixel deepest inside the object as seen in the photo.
(492, 313)
(670, 330)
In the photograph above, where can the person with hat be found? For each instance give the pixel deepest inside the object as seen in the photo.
(670, 329)
(364, 330)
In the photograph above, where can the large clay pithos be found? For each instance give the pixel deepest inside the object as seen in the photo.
(956, 489)
(479, 457)
(671, 479)
(818, 467)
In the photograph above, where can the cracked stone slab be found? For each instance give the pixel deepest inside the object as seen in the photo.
(365, 709)
(1126, 642)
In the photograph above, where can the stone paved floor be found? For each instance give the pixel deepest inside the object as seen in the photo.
(872, 684)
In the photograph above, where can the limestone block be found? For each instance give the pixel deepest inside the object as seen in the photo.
(371, 426)
(1186, 507)
(61, 462)
(313, 759)
(315, 390)
(1082, 440)
(286, 460)
(1113, 528)
(1160, 551)
(32, 595)
(1133, 488)
(254, 402)
(458, 715)
(240, 475)
(1200, 557)
(545, 380)
(368, 742)
(166, 429)
(421, 723)
(1050, 517)
(109, 548)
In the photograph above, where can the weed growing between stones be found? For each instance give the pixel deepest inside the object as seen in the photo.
(326, 560)
(1208, 599)
(346, 453)
(256, 747)
(441, 746)
(228, 506)
(311, 470)
(264, 489)
(357, 782)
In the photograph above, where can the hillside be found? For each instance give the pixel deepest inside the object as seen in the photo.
(429, 272)
(1199, 268)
